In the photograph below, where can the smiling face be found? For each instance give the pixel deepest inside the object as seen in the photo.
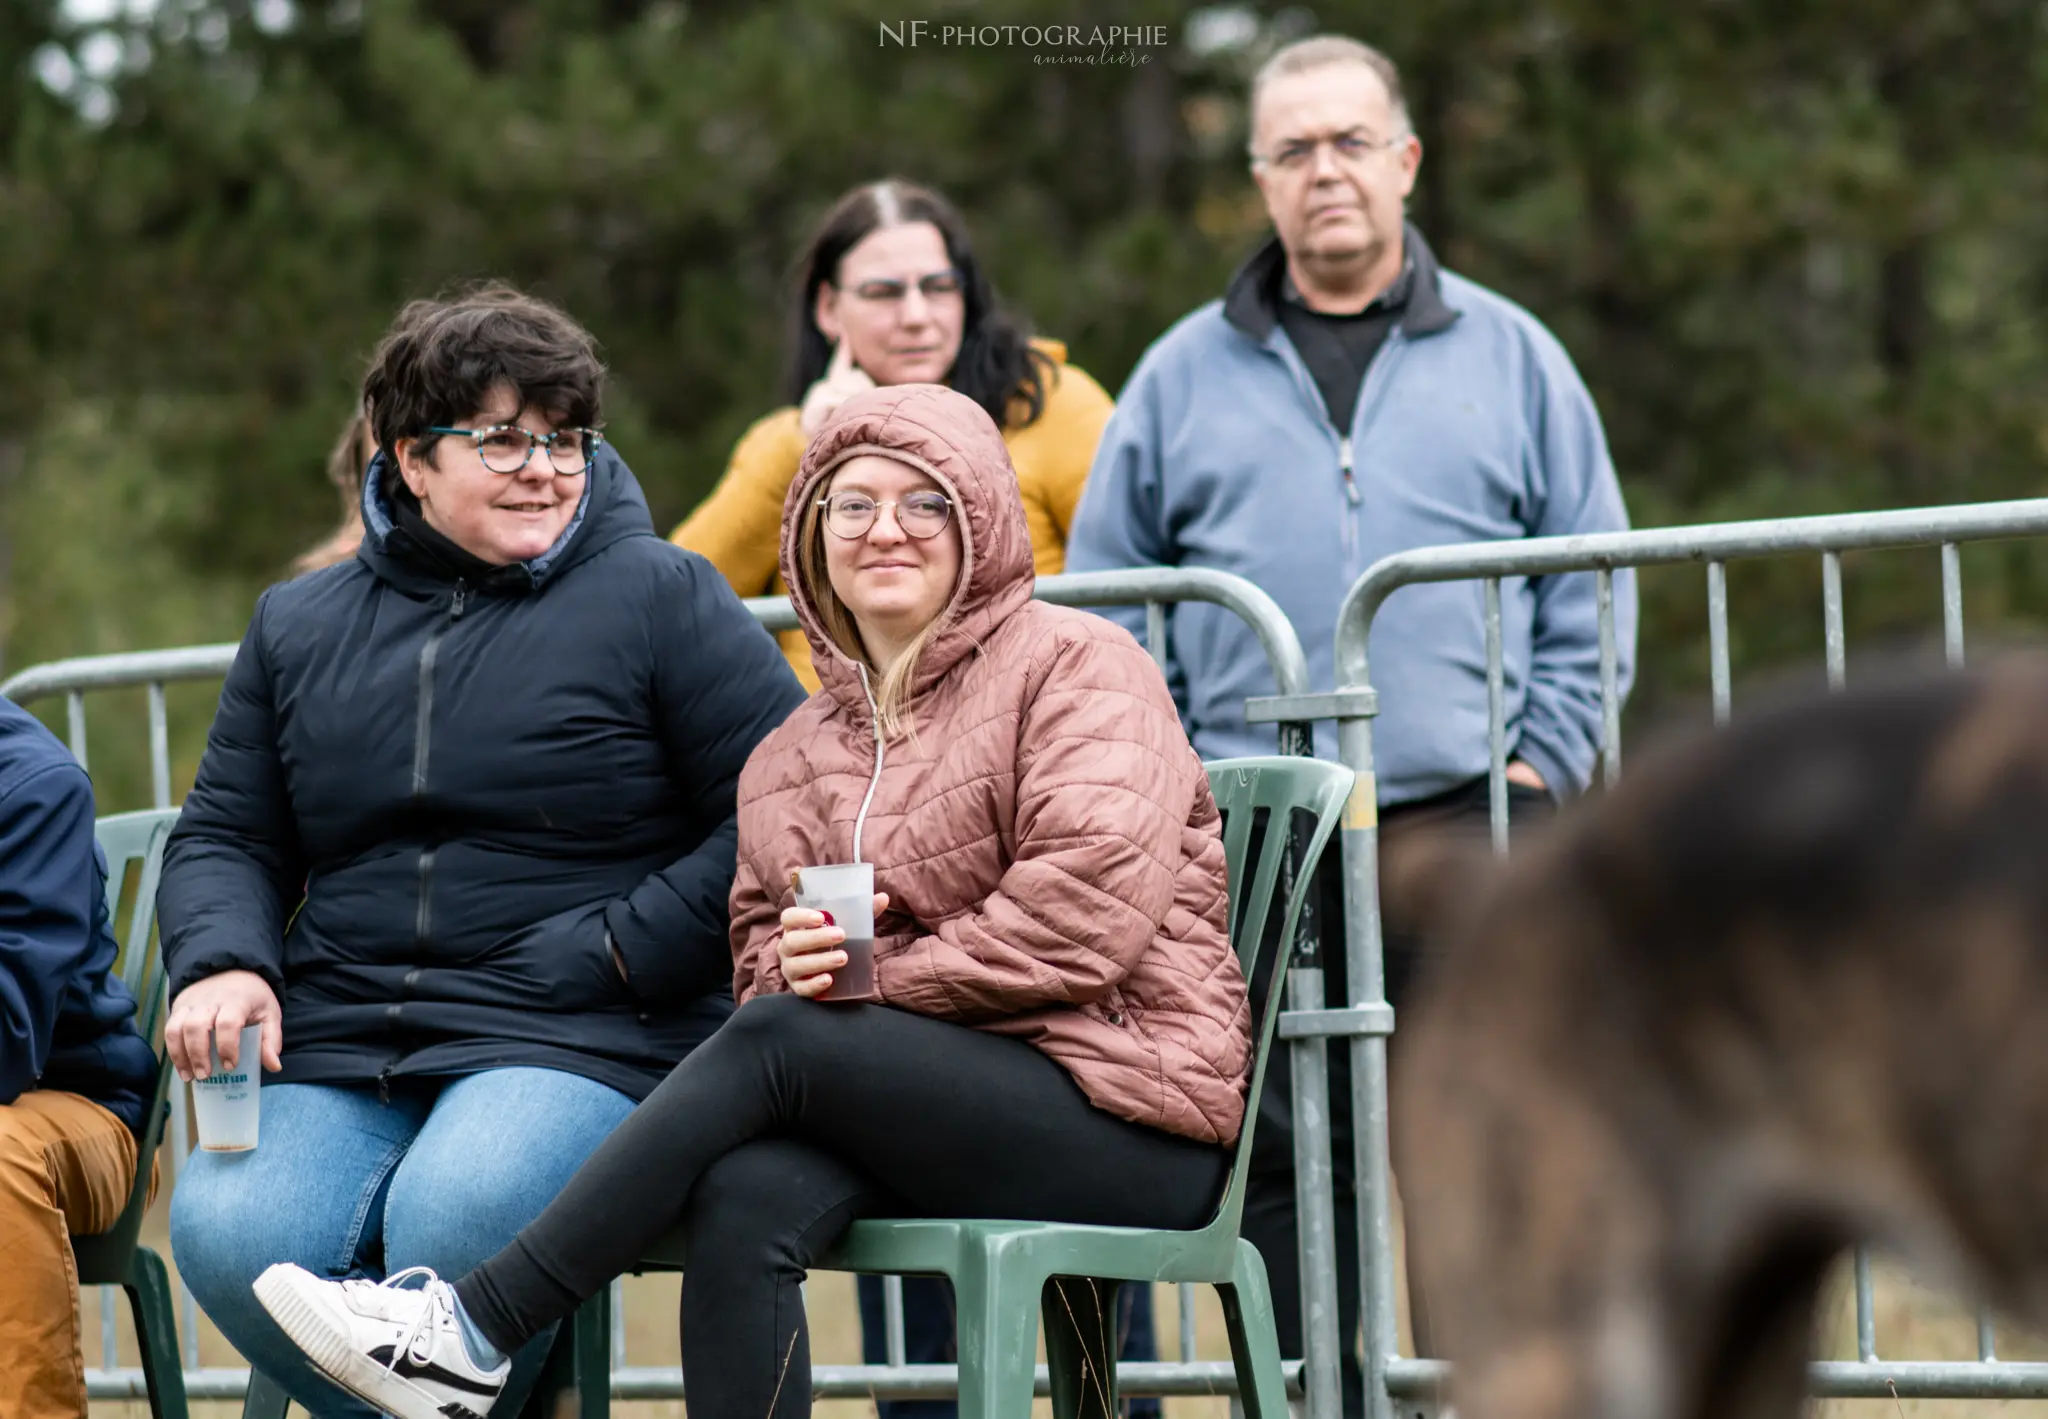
(893, 584)
(1335, 165)
(500, 518)
(897, 303)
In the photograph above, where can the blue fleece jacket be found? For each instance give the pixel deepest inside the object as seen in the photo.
(66, 1021)
(1472, 426)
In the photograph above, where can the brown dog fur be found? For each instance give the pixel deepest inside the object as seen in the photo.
(1783, 991)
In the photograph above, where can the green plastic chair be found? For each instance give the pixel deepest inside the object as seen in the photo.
(1001, 1271)
(116, 1257)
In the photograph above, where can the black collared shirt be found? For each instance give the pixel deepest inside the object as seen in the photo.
(1338, 349)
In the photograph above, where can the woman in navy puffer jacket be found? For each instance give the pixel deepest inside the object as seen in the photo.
(463, 836)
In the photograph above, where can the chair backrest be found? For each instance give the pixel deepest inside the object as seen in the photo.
(128, 838)
(1270, 792)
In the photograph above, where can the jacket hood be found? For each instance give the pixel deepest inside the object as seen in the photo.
(613, 508)
(950, 437)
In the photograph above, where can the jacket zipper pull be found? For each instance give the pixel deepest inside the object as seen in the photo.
(1344, 462)
(455, 607)
(384, 1085)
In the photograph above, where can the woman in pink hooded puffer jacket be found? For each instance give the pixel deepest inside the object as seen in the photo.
(1059, 1029)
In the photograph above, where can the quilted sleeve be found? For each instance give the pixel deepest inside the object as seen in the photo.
(756, 924)
(1105, 784)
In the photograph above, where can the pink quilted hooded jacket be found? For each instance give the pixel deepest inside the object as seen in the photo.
(1047, 838)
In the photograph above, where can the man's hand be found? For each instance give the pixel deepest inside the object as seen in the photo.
(214, 1012)
(1525, 774)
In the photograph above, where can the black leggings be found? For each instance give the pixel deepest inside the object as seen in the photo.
(792, 1121)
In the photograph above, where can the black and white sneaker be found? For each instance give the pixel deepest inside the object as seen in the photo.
(396, 1346)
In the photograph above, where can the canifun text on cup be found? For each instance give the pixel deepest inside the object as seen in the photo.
(225, 1102)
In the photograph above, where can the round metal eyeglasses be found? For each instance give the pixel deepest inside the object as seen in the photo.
(507, 448)
(920, 514)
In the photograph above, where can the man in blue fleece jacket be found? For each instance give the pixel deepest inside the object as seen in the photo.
(75, 1077)
(1348, 399)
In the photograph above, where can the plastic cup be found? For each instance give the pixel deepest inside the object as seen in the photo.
(225, 1103)
(845, 892)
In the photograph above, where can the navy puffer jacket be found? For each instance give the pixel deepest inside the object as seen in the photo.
(66, 1020)
(432, 789)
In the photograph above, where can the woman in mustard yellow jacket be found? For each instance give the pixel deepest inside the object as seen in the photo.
(892, 294)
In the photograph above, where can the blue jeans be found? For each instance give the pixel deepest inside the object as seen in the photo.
(443, 1176)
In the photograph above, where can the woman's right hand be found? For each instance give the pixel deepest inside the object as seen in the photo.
(841, 381)
(809, 949)
(214, 1011)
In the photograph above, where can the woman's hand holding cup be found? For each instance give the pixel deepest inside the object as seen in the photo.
(210, 1014)
(809, 948)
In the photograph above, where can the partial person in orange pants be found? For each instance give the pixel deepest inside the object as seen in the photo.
(75, 1076)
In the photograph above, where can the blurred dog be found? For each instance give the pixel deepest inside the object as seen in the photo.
(1783, 991)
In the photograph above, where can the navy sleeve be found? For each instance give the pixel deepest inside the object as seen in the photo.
(48, 885)
(721, 684)
(234, 869)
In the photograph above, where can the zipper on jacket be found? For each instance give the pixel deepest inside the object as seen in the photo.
(1374, 391)
(384, 1083)
(429, 653)
(423, 920)
(1345, 459)
(423, 729)
(881, 752)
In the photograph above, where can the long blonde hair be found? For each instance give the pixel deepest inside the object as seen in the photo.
(893, 691)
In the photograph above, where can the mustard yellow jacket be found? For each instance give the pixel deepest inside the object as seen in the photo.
(739, 526)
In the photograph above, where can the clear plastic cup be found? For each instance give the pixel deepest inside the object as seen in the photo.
(845, 892)
(224, 1103)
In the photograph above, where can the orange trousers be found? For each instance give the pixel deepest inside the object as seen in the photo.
(66, 1165)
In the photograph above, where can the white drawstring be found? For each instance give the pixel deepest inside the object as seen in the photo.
(860, 819)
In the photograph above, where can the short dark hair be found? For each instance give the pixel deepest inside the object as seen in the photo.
(997, 367)
(442, 358)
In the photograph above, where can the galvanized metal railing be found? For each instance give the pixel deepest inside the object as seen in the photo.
(1367, 1020)
(1153, 588)
(1310, 1023)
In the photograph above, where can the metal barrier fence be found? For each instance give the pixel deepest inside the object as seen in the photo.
(1152, 588)
(1367, 1020)
(1310, 1023)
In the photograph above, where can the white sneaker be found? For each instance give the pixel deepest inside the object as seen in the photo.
(393, 1346)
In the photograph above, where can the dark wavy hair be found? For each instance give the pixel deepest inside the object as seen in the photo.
(442, 358)
(996, 366)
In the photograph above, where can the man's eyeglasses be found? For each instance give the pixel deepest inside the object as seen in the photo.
(507, 448)
(920, 515)
(932, 287)
(1351, 150)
